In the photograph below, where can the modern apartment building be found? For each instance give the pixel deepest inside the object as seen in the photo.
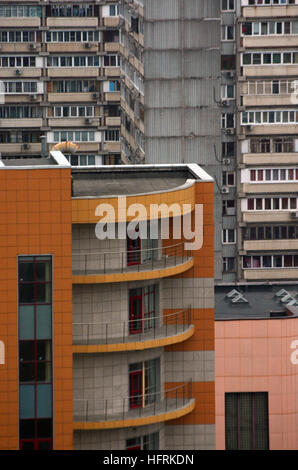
(105, 343)
(59, 72)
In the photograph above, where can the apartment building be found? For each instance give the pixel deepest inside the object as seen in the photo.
(59, 72)
(216, 81)
(267, 178)
(106, 342)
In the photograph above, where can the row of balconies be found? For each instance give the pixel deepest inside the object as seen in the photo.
(96, 121)
(267, 11)
(59, 47)
(35, 147)
(54, 72)
(87, 97)
(65, 22)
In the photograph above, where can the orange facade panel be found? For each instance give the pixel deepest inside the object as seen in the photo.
(35, 219)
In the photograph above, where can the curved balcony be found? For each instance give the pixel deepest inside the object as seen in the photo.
(137, 410)
(137, 334)
(130, 265)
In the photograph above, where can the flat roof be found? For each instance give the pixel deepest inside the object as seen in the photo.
(133, 179)
(254, 301)
(54, 159)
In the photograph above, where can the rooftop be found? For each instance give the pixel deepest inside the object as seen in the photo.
(255, 301)
(133, 179)
(55, 158)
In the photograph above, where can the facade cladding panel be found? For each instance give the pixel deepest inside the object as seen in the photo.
(34, 225)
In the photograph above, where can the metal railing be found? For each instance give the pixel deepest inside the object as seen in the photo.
(132, 407)
(130, 260)
(138, 329)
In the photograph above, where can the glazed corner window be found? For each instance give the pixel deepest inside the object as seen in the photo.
(35, 352)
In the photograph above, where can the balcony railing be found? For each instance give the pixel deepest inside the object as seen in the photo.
(133, 407)
(129, 260)
(138, 329)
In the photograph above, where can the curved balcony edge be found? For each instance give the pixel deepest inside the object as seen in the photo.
(133, 276)
(133, 422)
(137, 345)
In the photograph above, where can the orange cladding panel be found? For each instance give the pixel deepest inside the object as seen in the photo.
(35, 218)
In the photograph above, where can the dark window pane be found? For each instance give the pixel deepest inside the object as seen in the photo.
(43, 271)
(47, 445)
(26, 272)
(43, 293)
(27, 429)
(26, 293)
(43, 350)
(27, 372)
(44, 428)
(27, 351)
(27, 445)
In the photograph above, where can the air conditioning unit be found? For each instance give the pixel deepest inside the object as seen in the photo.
(88, 120)
(87, 45)
(225, 190)
(230, 131)
(223, 103)
(226, 161)
(95, 96)
(32, 47)
(230, 74)
(19, 72)
(33, 97)
(25, 146)
(248, 128)
(294, 215)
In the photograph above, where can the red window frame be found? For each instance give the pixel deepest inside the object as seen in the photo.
(136, 317)
(133, 251)
(136, 390)
(36, 443)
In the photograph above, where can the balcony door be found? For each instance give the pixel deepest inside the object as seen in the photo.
(136, 312)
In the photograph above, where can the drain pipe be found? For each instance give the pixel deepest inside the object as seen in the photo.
(44, 152)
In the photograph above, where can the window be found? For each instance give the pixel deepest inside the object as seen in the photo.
(228, 264)
(20, 11)
(269, 261)
(272, 117)
(77, 10)
(142, 309)
(73, 61)
(114, 85)
(112, 135)
(273, 175)
(228, 207)
(111, 61)
(148, 442)
(144, 383)
(228, 5)
(81, 160)
(263, 204)
(227, 121)
(20, 112)
(73, 111)
(228, 236)
(269, 58)
(35, 352)
(17, 61)
(246, 421)
(228, 178)
(228, 33)
(74, 136)
(72, 36)
(228, 92)
(114, 10)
